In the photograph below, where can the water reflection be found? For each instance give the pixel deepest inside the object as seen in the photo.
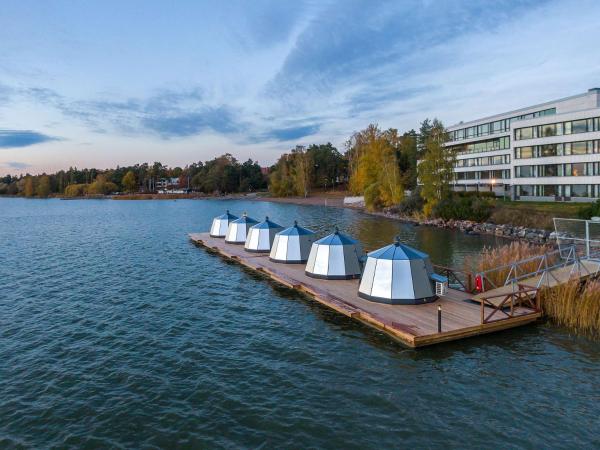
(445, 247)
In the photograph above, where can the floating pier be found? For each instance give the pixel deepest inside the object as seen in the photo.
(412, 325)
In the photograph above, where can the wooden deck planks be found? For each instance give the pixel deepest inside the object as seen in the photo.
(413, 325)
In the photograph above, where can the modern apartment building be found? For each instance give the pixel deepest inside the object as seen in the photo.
(548, 152)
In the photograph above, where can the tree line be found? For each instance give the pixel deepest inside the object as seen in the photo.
(224, 174)
(382, 165)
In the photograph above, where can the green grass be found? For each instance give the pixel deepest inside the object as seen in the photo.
(533, 214)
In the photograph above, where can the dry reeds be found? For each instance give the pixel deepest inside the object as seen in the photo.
(494, 258)
(574, 305)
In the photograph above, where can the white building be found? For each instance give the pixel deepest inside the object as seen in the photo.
(547, 152)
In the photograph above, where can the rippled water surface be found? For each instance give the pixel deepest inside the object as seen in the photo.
(115, 331)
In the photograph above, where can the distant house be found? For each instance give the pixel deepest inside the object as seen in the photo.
(167, 183)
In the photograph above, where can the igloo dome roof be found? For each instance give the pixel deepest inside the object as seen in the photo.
(220, 224)
(292, 245)
(260, 236)
(335, 257)
(397, 274)
(238, 229)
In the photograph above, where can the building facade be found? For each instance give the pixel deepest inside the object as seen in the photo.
(547, 152)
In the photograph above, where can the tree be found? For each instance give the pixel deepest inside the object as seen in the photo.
(302, 166)
(29, 188)
(101, 186)
(407, 159)
(43, 186)
(129, 182)
(436, 169)
(329, 165)
(374, 166)
(280, 179)
(76, 190)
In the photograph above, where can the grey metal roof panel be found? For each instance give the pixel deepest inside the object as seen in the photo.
(267, 224)
(226, 216)
(245, 219)
(337, 238)
(398, 251)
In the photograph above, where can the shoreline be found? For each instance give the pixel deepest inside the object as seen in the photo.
(335, 199)
(517, 233)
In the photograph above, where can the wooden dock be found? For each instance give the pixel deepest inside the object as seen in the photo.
(412, 325)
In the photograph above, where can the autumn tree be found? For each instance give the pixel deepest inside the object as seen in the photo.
(101, 186)
(281, 179)
(129, 182)
(374, 166)
(436, 169)
(302, 167)
(43, 186)
(29, 187)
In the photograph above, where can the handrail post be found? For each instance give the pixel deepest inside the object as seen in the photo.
(482, 310)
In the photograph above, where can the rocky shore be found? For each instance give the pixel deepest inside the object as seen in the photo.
(533, 235)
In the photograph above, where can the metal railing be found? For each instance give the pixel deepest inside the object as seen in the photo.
(542, 266)
(457, 279)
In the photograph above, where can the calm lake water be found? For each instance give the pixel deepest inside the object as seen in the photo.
(115, 331)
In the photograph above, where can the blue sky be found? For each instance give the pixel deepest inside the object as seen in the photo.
(109, 83)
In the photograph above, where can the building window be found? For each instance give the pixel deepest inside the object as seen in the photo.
(524, 171)
(548, 130)
(524, 133)
(579, 126)
(549, 190)
(525, 190)
(577, 169)
(557, 129)
(548, 150)
(579, 190)
(578, 148)
(549, 170)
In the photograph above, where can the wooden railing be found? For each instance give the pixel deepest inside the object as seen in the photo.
(506, 303)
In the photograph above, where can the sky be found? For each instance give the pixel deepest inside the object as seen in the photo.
(107, 83)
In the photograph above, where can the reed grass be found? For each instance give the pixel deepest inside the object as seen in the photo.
(492, 258)
(574, 305)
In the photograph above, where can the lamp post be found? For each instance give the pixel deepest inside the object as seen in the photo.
(493, 181)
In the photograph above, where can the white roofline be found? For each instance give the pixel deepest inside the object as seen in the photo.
(516, 112)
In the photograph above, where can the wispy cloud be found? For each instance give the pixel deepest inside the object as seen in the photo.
(23, 138)
(254, 77)
(292, 133)
(16, 165)
(5, 93)
(167, 113)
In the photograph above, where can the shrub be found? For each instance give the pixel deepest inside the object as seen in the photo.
(589, 211)
(464, 208)
(484, 194)
(75, 190)
(411, 204)
(101, 187)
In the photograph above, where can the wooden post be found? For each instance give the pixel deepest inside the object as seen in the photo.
(439, 318)
(470, 282)
(482, 310)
